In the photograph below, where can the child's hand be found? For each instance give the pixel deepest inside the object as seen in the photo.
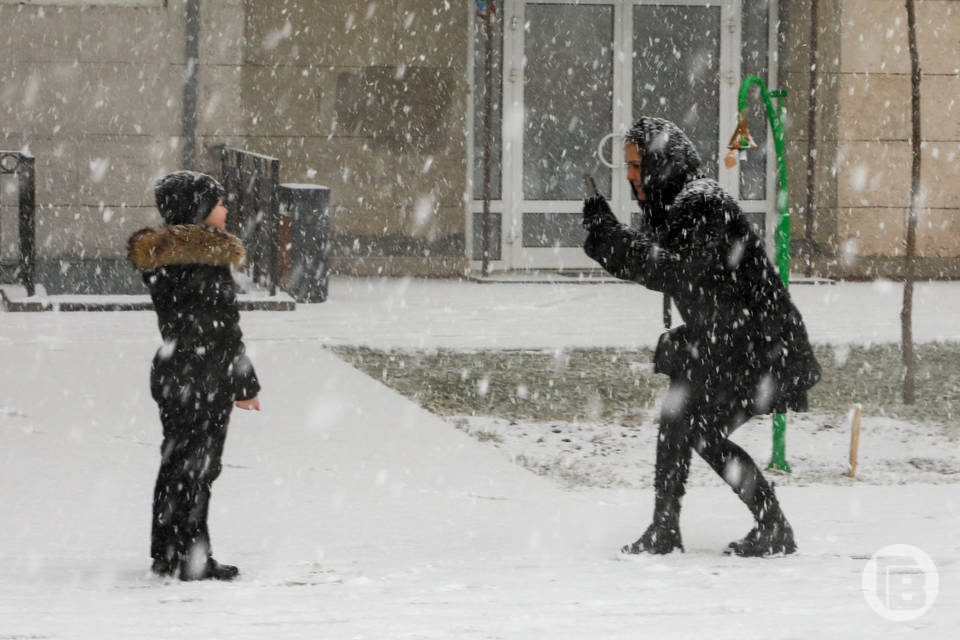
(253, 404)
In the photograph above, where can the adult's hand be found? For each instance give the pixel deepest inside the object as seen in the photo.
(253, 404)
(596, 212)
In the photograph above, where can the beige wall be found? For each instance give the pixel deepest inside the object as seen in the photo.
(95, 93)
(864, 130)
(370, 100)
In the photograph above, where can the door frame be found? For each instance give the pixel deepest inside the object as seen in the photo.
(512, 206)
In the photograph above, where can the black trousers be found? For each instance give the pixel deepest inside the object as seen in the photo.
(691, 421)
(194, 431)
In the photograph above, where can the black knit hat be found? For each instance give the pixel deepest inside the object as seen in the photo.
(186, 197)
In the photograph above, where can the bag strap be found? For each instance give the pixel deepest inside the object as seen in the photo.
(667, 320)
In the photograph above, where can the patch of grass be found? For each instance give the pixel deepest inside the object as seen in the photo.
(488, 436)
(873, 376)
(611, 384)
(597, 384)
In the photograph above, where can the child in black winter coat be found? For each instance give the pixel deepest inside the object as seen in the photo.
(200, 372)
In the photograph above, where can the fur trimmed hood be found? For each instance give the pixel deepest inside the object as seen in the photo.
(184, 244)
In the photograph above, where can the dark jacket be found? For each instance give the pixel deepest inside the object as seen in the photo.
(187, 269)
(744, 340)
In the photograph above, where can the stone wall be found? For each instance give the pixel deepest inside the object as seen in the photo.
(95, 92)
(366, 98)
(370, 100)
(863, 127)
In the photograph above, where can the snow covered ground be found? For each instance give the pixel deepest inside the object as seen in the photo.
(355, 514)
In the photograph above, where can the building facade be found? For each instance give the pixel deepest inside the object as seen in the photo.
(385, 103)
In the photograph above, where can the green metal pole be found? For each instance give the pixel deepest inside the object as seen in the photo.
(778, 459)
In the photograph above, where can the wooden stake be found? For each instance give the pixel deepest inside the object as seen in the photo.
(854, 440)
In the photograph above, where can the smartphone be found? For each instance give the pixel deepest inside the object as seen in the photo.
(589, 185)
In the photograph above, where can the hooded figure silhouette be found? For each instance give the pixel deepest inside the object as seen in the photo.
(742, 349)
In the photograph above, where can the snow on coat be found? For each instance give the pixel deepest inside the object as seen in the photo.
(743, 339)
(187, 269)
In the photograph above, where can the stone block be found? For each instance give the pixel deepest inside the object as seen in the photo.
(287, 100)
(119, 171)
(432, 33)
(220, 104)
(866, 231)
(940, 174)
(882, 232)
(873, 174)
(320, 32)
(128, 35)
(938, 23)
(55, 165)
(795, 19)
(397, 109)
(222, 33)
(39, 98)
(56, 98)
(130, 99)
(874, 107)
(874, 37)
(938, 233)
(43, 34)
(795, 29)
(89, 232)
(940, 107)
(825, 179)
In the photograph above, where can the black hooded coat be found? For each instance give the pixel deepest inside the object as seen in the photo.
(743, 342)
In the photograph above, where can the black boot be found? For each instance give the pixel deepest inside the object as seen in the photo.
(772, 536)
(217, 571)
(749, 539)
(163, 568)
(663, 535)
(657, 540)
(765, 540)
(211, 570)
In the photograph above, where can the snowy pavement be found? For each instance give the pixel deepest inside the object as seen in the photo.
(411, 313)
(355, 514)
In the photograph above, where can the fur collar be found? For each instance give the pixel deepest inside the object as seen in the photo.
(184, 244)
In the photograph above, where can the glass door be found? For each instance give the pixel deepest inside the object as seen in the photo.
(576, 71)
(676, 71)
(567, 98)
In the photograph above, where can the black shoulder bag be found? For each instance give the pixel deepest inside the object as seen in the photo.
(672, 352)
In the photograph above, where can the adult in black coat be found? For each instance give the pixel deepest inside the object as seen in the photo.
(742, 350)
(200, 372)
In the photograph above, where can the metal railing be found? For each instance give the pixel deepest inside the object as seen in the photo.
(14, 162)
(251, 181)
